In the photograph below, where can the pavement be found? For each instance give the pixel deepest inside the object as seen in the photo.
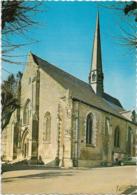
(104, 180)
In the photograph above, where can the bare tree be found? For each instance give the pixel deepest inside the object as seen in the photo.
(129, 9)
(16, 20)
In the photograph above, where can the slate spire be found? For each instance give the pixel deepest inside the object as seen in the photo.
(96, 73)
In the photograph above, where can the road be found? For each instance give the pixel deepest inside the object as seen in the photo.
(93, 180)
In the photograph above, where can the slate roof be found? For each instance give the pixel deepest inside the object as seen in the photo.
(81, 90)
(112, 99)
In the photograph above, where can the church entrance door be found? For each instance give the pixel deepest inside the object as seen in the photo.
(25, 144)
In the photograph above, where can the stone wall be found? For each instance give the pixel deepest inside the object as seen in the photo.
(103, 148)
(50, 94)
(83, 154)
(7, 139)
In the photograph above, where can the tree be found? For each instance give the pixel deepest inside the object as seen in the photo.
(10, 97)
(16, 19)
(129, 9)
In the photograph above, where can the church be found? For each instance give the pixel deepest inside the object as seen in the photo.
(65, 122)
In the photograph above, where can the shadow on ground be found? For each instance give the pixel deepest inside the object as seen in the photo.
(130, 190)
(23, 165)
(45, 175)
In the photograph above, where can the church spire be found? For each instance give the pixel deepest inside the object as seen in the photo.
(96, 72)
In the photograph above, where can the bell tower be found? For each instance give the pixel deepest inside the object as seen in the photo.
(96, 73)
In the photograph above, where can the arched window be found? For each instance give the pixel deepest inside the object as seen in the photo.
(47, 127)
(26, 113)
(129, 140)
(117, 137)
(89, 129)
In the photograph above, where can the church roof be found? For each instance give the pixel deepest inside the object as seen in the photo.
(111, 99)
(79, 89)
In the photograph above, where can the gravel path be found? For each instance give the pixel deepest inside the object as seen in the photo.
(94, 180)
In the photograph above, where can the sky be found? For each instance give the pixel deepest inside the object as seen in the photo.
(64, 37)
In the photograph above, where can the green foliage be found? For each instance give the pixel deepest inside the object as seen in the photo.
(9, 97)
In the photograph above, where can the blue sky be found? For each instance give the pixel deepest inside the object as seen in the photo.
(65, 37)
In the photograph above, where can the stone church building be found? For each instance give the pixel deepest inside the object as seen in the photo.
(66, 122)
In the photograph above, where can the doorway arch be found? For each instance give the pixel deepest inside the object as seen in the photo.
(25, 144)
